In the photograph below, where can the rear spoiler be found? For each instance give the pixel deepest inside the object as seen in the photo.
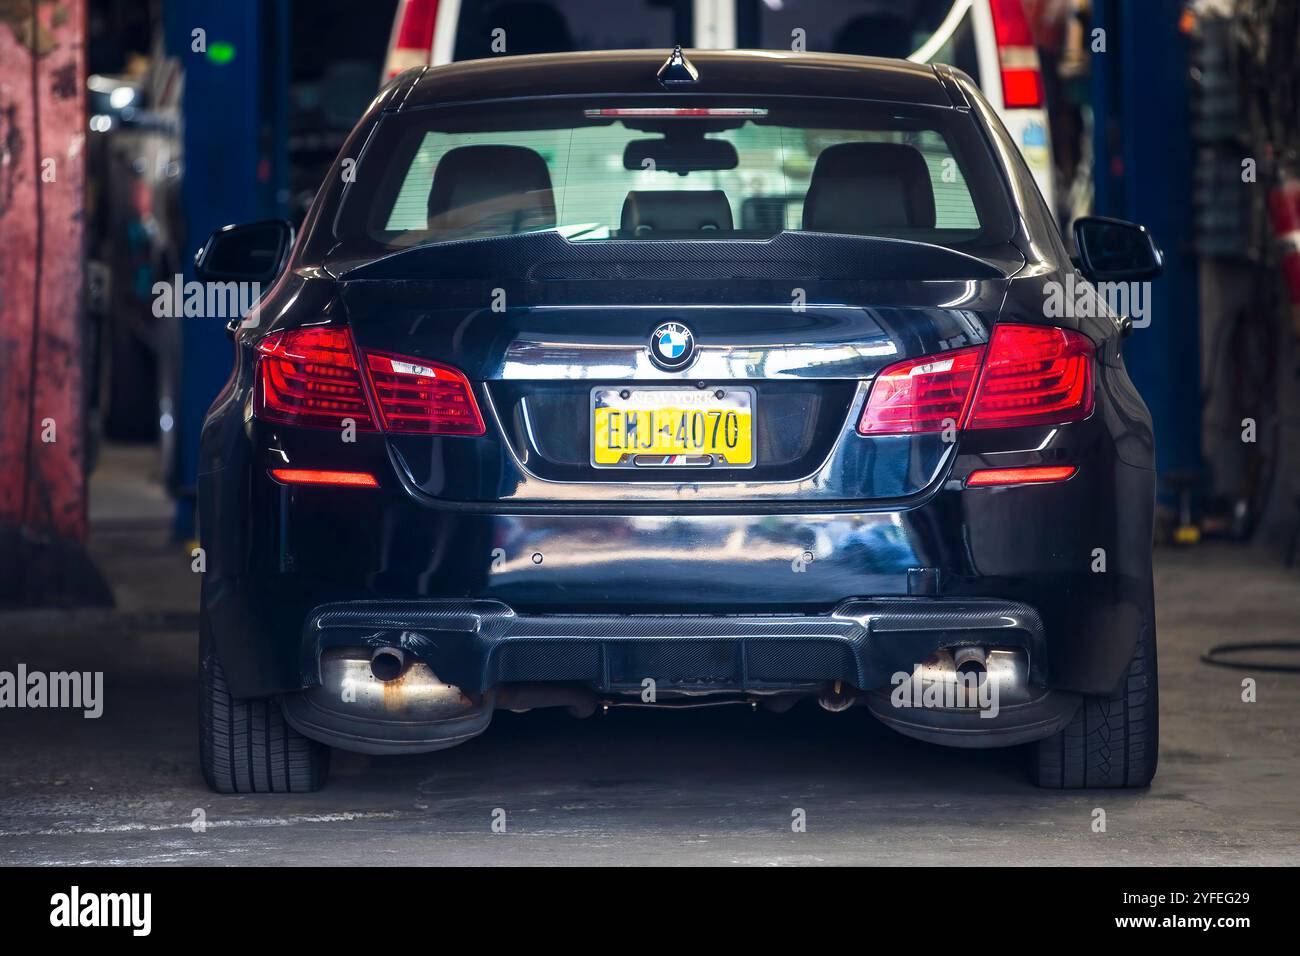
(787, 257)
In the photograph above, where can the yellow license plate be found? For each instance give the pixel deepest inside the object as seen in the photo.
(672, 427)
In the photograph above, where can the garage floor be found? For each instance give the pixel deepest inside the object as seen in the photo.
(705, 787)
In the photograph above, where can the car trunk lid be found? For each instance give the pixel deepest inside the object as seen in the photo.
(789, 331)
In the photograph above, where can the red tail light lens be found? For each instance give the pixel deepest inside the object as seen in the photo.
(1022, 84)
(413, 38)
(415, 28)
(1010, 24)
(417, 395)
(927, 394)
(1022, 88)
(1034, 375)
(1031, 375)
(309, 377)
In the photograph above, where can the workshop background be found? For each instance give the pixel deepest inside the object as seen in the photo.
(130, 130)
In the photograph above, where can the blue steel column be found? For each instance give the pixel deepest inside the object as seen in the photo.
(233, 172)
(1143, 155)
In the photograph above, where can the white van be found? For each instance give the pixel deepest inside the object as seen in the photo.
(989, 39)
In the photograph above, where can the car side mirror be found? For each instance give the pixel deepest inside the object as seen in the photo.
(1114, 250)
(251, 252)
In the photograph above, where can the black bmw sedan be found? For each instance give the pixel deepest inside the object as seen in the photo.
(601, 379)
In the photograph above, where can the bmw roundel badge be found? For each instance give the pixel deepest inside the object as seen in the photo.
(672, 346)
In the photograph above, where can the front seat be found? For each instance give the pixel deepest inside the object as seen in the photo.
(862, 189)
(491, 191)
(650, 212)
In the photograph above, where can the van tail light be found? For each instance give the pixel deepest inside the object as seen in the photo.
(412, 40)
(1034, 375)
(1022, 83)
(310, 377)
(1026, 375)
(927, 394)
(424, 397)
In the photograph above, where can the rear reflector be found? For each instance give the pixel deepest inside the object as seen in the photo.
(1035, 475)
(308, 476)
(423, 397)
(1034, 375)
(927, 394)
(309, 377)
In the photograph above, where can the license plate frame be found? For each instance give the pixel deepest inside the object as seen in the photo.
(717, 461)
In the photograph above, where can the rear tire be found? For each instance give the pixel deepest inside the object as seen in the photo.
(1111, 741)
(245, 745)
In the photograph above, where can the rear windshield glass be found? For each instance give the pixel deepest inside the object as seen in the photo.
(600, 171)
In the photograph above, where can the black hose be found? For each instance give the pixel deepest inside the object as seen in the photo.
(1212, 656)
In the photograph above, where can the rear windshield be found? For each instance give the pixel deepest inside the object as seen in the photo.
(627, 171)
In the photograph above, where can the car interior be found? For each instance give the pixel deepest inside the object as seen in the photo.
(857, 188)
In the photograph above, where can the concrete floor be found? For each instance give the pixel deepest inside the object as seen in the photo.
(708, 787)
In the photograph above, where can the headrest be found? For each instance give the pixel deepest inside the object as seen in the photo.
(648, 212)
(491, 191)
(860, 188)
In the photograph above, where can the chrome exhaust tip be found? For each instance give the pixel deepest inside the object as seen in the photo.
(971, 663)
(387, 664)
(838, 698)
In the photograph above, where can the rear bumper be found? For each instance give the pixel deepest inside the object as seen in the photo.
(478, 645)
(466, 658)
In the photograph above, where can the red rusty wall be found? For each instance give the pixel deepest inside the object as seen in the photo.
(42, 117)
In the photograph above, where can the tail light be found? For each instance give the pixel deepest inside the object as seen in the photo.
(1022, 84)
(1031, 375)
(921, 395)
(310, 377)
(1034, 375)
(412, 41)
(417, 395)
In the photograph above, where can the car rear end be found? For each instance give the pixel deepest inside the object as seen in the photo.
(668, 395)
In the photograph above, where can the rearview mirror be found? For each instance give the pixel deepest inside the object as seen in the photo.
(680, 155)
(1114, 250)
(251, 252)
